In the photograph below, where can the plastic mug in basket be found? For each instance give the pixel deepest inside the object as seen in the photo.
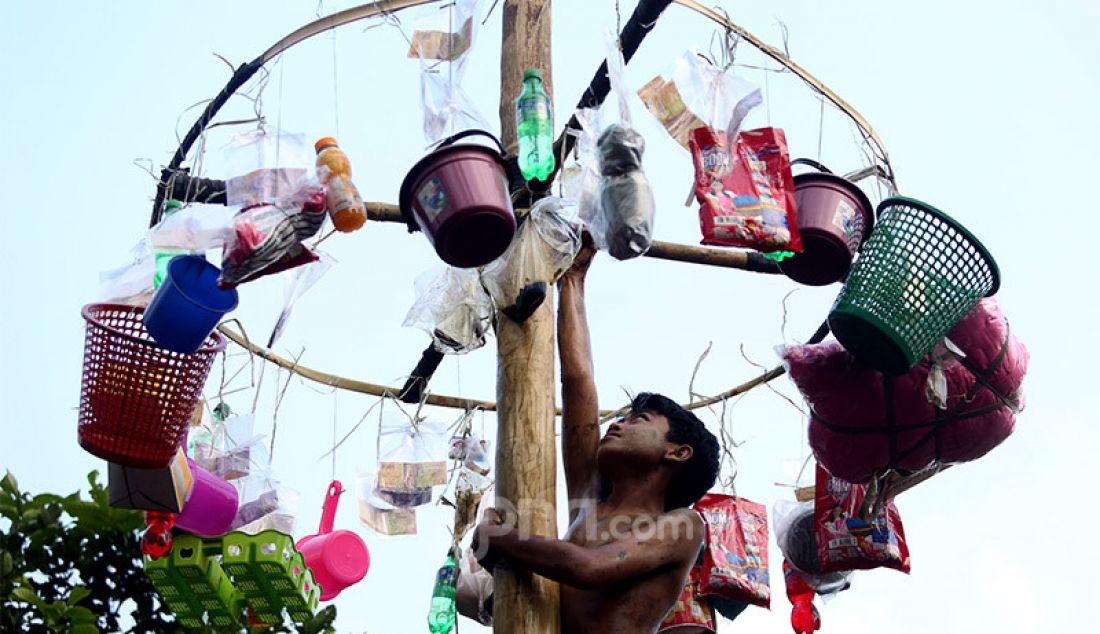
(188, 305)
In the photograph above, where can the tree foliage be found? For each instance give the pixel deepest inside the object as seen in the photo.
(73, 564)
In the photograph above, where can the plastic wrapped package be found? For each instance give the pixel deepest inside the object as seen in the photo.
(848, 429)
(735, 561)
(453, 308)
(745, 192)
(796, 535)
(472, 452)
(133, 283)
(194, 227)
(411, 457)
(846, 541)
(695, 93)
(441, 41)
(265, 504)
(268, 166)
(381, 516)
(544, 248)
(267, 238)
(229, 448)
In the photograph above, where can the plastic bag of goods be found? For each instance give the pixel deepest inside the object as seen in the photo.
(845, 541)
(735, 562)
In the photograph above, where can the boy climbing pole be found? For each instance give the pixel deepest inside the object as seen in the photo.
(632, 536)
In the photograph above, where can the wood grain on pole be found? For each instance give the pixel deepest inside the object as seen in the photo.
(526, 466)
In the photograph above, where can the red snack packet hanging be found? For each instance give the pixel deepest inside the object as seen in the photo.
(746, 197)
(735, 561)
(846, 542)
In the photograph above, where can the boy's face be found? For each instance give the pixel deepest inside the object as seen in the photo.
(639, 438)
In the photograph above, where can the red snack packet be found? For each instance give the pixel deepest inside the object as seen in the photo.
(690, 611)
(846, 542)
(735, 561)
(746, 197)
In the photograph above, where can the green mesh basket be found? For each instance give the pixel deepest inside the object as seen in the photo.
(919, 273)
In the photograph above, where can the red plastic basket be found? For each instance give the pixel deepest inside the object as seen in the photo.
(136, 398)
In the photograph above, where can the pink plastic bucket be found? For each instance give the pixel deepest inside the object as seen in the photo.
(834, 218)
(338, 559)
(458, 196)
(210, 509)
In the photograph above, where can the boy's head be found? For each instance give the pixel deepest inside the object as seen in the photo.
(659, 434)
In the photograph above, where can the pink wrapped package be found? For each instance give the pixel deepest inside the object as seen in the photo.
(950, 408)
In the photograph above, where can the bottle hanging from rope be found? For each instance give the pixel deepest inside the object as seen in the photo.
(341, 197)
(441, 616)
(535, 128)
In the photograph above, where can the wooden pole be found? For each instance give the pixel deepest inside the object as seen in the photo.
(526, 466)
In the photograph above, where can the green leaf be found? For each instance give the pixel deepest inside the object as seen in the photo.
(81, 614)
(26, 595)
(9, 484)
(6, 564)
(77, 594)
(83, 628)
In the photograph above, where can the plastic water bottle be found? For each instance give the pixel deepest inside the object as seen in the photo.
(535, 128)
(441, 616)
(163, 257)
(342, 198)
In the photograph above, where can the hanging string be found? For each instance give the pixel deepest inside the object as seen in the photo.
(335, 403)
(820, 126)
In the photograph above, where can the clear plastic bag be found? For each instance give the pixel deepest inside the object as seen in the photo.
(379, 515)
(473, 589)
(453, 308)
(695, 93)
(132, 283)
(195, 227)
(611, 190)
(268, 166)
(442, 42)
(544, 248)
(411, 456)
(265, 504)
(228, 448)
(295, 286)
(795, 533)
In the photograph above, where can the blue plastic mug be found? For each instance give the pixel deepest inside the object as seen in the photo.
(188, 305)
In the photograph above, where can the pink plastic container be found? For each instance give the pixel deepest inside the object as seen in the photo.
(458, 196)
(210, 509)
(338, 559)
(835, 218)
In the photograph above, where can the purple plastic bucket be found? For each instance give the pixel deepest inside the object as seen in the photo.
(835, 218)
(210, 509)
(458, 196)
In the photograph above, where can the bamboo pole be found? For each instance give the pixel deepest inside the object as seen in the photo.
(526, 465)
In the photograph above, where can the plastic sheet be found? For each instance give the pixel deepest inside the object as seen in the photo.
(295, 286)
(442, 42)
(453, 308)
(695, 93)
(544, 248)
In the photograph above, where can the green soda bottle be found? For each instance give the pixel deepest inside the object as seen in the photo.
(163, 257)
(441, 616)
(535, 128)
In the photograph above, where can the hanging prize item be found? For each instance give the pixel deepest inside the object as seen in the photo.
(846, 540)
(338, 559)
(745, 190)
(834, 219)
(954, 407)
(156, 541)
(163, 256)
(534, 128)
(342, 200)
(188, 305)
(442, 614)
(210, 509)
(735, 562)
(136, 397)
(379, 515)
(692, 613)
(458, 196)
(453, 308)
(804, 616)
(919, 273)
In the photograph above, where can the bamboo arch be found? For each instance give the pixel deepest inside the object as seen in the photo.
(176, 182)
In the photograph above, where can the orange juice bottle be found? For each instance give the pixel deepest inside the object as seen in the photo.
(342, 199)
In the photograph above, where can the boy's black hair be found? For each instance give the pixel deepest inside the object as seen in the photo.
(697, 474)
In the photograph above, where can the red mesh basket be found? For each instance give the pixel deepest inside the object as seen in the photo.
(136, 398)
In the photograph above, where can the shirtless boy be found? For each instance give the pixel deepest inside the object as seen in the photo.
(632, 537)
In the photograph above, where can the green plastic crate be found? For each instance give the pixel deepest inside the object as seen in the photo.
(193, 584)
(919, 273)
(271, 575)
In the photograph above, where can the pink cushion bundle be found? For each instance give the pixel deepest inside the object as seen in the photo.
(863, 423)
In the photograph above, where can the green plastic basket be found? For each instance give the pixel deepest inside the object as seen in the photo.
(193, 584)
(919, 273)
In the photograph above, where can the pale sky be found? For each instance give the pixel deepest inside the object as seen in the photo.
(987, 110)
